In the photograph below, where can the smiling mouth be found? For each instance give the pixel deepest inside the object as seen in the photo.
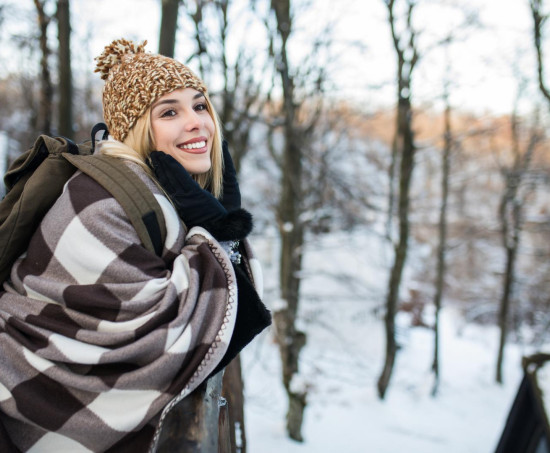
(192, 146)
(198, 147)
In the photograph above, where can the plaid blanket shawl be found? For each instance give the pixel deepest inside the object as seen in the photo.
(98, 336)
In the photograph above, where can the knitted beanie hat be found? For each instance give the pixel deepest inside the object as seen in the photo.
(134, 80)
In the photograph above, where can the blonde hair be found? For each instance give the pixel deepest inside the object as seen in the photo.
(139, 143)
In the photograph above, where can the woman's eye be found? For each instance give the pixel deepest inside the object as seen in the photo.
(168, 113)
(200, 107)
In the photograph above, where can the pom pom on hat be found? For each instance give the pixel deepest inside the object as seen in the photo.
(134, 80)
(113, 53)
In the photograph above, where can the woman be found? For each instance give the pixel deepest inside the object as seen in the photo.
(99, 336)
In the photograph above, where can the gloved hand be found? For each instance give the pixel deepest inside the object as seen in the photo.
(196, 206)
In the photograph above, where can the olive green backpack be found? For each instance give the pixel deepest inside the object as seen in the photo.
(36, 178)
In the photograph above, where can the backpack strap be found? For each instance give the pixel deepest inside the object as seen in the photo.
(135, 197)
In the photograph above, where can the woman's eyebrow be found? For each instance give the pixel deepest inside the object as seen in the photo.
(174, 101)
(164, 101)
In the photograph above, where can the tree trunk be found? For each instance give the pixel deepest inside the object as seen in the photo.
(505, 308)
(46, 88)
(511, 211)
(407, 58)
(291, 340)
(407, 164)
(233, 392)
(391, 185)
(509, 242)
(65, 72)
(168, 27)
(441, 258)
(291, 230)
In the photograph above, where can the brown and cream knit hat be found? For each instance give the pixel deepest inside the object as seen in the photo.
(134, 80)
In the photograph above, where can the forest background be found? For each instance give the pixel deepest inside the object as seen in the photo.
(395, 156)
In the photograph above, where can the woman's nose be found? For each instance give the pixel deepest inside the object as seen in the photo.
(193, 121)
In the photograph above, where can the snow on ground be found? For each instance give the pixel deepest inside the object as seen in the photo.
(344, 356)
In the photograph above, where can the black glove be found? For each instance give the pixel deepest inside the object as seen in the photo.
(196, 206)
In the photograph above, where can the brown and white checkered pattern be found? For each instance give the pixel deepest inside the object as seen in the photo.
(98, 335)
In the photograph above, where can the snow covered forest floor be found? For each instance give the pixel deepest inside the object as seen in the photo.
(343, 289)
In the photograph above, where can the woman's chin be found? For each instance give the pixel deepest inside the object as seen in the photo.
(195, 166)
(197, 169)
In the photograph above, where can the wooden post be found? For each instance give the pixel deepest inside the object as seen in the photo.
(224, 439)
(192, 426)
(232, 390)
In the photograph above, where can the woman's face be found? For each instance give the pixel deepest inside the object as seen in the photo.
(183, 128)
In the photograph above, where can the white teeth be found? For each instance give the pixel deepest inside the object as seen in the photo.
(194, 145)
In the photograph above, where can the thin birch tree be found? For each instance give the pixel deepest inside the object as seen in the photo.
(442, 233)
(511, 215)
(289, 338)
(295, 119)
(407, 56)
(450, 145)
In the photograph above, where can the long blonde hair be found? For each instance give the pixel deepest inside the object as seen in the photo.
(139, 143)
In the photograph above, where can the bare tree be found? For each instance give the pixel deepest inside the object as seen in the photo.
(442, 226)
(511, 215)
(46, 87)
(168, 27)
(450, 142)
(297, 123)
(392, 185)
(407, 57)
(289, 338)
(65, 106)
